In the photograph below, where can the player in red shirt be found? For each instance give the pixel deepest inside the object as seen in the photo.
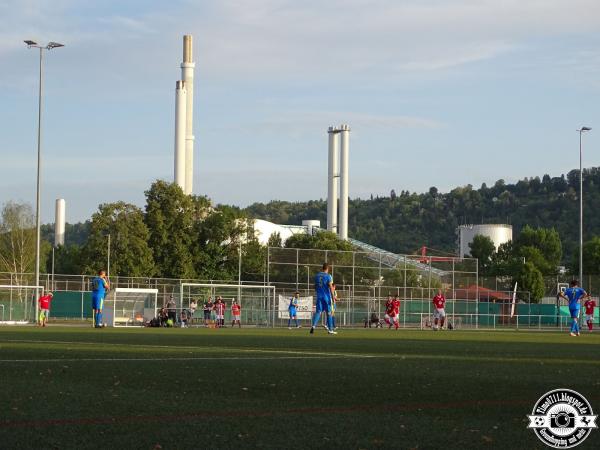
(589, 306)
(390, 314)
(396, 305)
(236, 312)
(389, 309)
(439, 313)
(220, 310)
(44, 302)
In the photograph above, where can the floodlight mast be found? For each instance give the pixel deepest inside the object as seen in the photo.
(581, 131)
(49, 46)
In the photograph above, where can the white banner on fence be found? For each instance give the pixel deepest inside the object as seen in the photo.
(303, 310)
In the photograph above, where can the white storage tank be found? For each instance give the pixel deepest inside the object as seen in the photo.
(310, 225)
(498, 233)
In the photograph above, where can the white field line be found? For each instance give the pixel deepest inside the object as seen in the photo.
(306, 354)
(197, 348)
(203, 358)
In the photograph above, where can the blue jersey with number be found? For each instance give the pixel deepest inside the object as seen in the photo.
(322, 282)
(293, 304)
(98, 288)
(574, 294)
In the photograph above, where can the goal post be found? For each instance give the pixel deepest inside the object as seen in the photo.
(258, 302)
(19, 304)
(126, 307)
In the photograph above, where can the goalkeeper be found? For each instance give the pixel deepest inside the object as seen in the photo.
(99, 287)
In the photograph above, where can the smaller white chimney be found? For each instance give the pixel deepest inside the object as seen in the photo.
(59, 222)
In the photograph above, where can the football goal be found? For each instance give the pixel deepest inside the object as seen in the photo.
(258, 303)
(18, 304)
(126, 307)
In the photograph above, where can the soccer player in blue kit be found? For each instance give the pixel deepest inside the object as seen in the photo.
(573, 295)
(324, 293)
(99, 288)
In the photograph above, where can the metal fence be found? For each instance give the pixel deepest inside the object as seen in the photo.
(363, 279)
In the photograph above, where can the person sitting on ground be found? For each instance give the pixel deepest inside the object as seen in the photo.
(163, 316)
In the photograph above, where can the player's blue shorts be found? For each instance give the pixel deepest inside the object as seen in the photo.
(323, 305)
(574, 311)
(292, 312)
(97, 302)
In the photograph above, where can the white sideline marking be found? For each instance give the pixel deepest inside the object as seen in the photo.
(197, 348)
(202, 358)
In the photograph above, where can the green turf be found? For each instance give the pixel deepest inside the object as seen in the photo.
(70, 387)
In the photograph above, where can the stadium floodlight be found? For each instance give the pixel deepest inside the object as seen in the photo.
(581, 131)
(49, 46)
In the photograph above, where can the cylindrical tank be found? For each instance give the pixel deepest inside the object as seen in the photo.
(311, 225)
(332, 191)
(180, 157)
(344, 165)
(498, 233)
(59, 222)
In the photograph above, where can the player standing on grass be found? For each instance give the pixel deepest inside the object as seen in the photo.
(44, 302)
(589, 305)
(220, 310)
(293, 310)
(439, 313)
(236, 312)
(388, 309)
(573, 294)
(396, 303)
(324, 294)
(99, 287)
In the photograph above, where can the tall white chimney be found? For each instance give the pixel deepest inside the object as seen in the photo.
(187, 76)
(345, 147)
(333, 175)
(180, 160)
(59, 222)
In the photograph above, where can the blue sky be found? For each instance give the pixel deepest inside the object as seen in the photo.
(438, 93)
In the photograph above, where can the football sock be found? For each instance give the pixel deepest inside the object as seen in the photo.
(316, 319)
(330, 322)
(290, 322)
(574, 326)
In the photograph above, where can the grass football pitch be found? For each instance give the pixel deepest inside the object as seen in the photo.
(73, 387)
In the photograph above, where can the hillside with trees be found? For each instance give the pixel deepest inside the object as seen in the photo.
(406, 221)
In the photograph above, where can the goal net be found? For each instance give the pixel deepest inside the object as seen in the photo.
(18, 304)
(125, 307)
(258, 303)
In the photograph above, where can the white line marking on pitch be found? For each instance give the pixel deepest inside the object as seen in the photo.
(197, 348)
(205, 358)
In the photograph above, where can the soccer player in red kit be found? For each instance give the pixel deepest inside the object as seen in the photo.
(44, 302)
(390, 313)
(589, 306)
(220, 310)
(236, 311)
(439, 313)
(396, 305)
(388, 308)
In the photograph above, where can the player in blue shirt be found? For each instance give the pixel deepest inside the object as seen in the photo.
(573, 295)
(292, 309)
(324, 293)
(99, 288)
